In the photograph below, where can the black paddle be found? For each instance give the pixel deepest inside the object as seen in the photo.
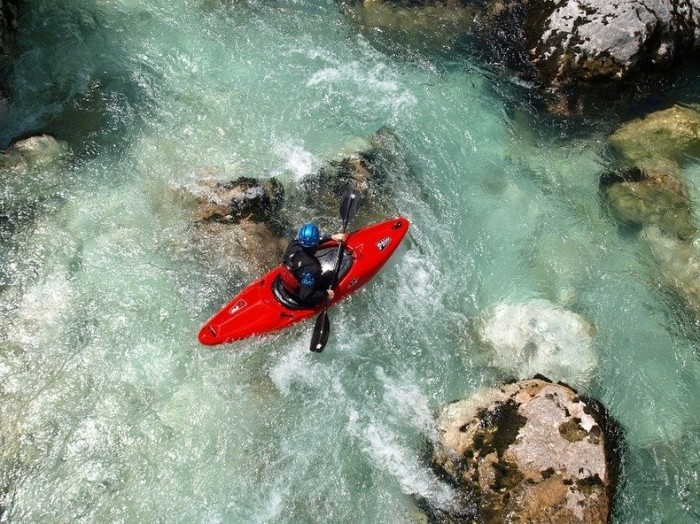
(322, 328)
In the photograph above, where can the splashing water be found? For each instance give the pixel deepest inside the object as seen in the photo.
(110, 409)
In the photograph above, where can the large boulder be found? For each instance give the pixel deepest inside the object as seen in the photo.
(589, 42)
(531, 451)
(539, 337)
(564, 46)
(672, 133)
(653, 194)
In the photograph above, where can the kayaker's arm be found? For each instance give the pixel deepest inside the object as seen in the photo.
(338, 237)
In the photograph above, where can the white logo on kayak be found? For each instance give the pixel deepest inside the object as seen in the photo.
(383, 243)
(238, 305)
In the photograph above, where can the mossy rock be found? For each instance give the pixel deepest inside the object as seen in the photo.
(653, 194)
(673, 133)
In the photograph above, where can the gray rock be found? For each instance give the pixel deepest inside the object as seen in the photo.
(532, 451)
(594, 41)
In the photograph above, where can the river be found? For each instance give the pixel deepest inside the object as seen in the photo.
(112, 412)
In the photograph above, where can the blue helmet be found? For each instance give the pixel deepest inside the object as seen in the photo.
(309, 235)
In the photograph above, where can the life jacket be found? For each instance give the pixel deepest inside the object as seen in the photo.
(293, 265)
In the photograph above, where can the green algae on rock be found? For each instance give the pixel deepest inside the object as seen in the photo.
(672, 133)
(653, 194)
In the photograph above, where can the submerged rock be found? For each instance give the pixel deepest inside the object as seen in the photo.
(439, 22)
(31, 174)
(679, 264)
(531, 451)
(673, 133)
(30, 154)
(247, 249)
(651, 195)
(539, 337)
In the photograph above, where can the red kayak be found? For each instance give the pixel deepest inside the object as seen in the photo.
(263, 306)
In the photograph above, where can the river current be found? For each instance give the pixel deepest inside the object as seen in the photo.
(110, 410)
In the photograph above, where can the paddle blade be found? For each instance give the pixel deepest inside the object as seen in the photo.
(348, 206)
(322, 329)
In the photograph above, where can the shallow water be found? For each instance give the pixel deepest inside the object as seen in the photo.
(110, 409)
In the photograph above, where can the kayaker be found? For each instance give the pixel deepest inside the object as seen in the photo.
(301, 273)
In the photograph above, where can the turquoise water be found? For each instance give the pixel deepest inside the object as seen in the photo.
(112, 412)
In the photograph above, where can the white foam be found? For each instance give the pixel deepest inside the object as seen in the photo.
(390, 454)
(380, 80)
(409, 404)
(42, 312)
(296, 159)
(293, 367)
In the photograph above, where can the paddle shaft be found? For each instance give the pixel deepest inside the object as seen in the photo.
(348, 208)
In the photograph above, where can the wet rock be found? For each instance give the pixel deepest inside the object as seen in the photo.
(242, 199)
(573, 42)
(31, 174)
(673, 133)
(562, 265)
(238, 228)
(679, 263)
(539, 337)
(653, 194)
(531, 451)
(364, 168)
(438, 22)
(32, 154)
